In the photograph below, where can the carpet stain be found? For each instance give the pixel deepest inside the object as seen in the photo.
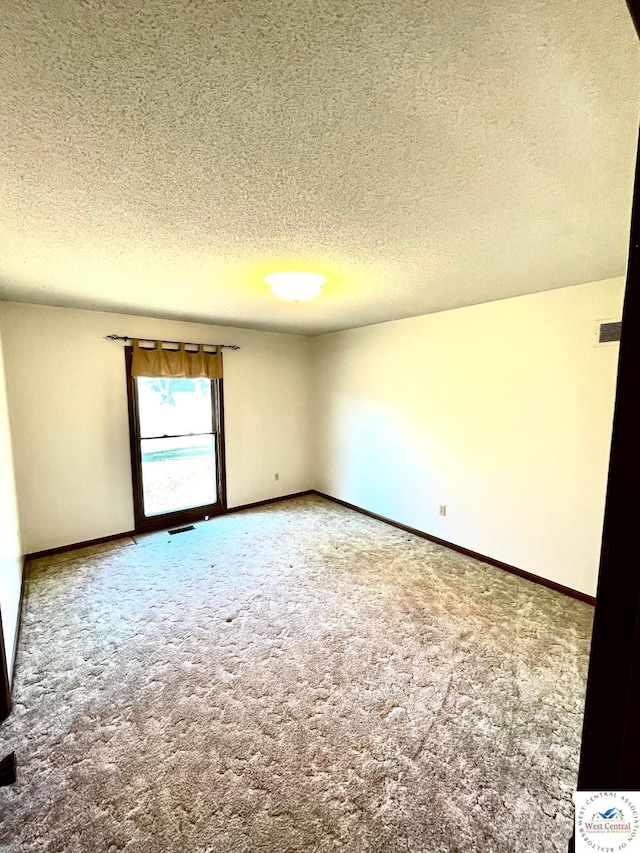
(329, 683)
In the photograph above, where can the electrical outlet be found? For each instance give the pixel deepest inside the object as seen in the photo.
(443, 509)
(276, 476)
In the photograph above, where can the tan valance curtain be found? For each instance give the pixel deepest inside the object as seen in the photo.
(156, 361)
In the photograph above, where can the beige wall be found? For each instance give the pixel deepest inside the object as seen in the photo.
(501, 411)
(68, 410)
(10, 547)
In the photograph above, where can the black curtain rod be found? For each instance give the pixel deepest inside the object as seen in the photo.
(153, 340)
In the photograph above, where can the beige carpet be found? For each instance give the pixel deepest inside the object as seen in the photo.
(293, 678)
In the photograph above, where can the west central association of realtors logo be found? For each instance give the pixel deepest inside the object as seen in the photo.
(607, 822)
(609, 815)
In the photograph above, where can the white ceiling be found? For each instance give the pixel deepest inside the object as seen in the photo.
(160, 157)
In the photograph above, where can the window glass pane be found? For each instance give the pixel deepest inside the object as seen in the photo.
(178, 473)
(174, 406)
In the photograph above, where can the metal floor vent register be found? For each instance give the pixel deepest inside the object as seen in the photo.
(181, 529)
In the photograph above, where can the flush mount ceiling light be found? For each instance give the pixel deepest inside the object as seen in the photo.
(295, 286)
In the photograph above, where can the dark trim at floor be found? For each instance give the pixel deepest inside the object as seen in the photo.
(566, 590)
(19, 622)
(270, 501)
(5, 690)
(514, 570)
(88, 543)
(50, 552)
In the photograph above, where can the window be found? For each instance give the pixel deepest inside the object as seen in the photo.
(177, 449)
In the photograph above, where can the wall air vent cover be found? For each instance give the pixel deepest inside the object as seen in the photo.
(607, 332)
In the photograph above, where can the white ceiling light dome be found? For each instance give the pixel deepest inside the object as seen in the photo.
(296, 286)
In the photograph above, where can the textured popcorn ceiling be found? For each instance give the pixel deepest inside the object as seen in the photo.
(161, 156)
